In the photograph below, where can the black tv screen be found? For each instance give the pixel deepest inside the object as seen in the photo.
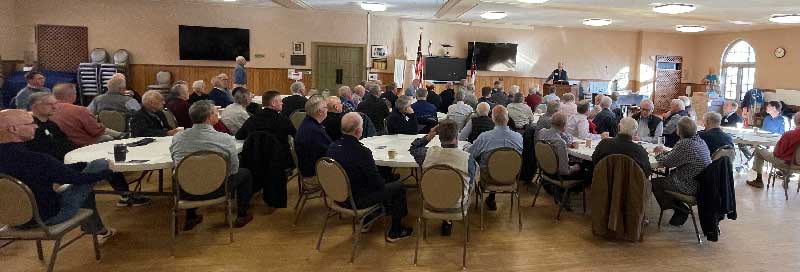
(492, 56)
(213, 43)
(445, 69)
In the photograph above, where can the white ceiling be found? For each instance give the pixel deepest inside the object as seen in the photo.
(716, 15)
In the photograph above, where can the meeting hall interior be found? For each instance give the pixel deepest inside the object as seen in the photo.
(399, 135)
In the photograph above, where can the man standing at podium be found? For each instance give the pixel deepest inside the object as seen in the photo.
(559, 76)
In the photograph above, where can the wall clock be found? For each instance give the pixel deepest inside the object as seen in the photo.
(780, 52)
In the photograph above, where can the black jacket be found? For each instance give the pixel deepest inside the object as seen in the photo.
(389, 96)
(358, 163)
(333, 125)
(264, 156)
(49, 139)
(671, 139)
(730, 121)
(268, 120)
(448, 96)
(434, 99)
(606, 121)
(480, 124)
(292, 103)
(716, 197)
(622, 144)
(652, 122)
(715, 138)
(529, 165)
(147, 124)
(397, 124)
(375, 109)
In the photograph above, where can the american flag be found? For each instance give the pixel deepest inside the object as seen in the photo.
(473, 69)
(420, 63)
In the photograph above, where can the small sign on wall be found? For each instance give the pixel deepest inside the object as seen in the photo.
(295, 75)
(373, 76)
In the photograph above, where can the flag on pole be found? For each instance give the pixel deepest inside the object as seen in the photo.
(420, 62)
(473, 69)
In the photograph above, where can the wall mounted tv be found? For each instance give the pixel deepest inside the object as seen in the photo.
(445, 69)
(493, 56)
(213, 43)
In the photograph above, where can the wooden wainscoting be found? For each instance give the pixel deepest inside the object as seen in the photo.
(259, 80)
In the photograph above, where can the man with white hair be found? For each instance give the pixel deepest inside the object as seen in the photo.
(519, 112)
(534, 98)
(358, 94)
(459, 112)
(239, 73)
(346, 96)
(368, 186)
(333, 123)
(311, 142)
(199, 92)
(596, 109)
(296, 101)
(677, 110)
(687, 103)
(49, 138)
(236, 114)
(150, 121)
(729, 116)
(478, 124)
(423, 108)
(448, 97)
(557, 137)
(469, 96)
(606, 121)
(623, 144)
(500, 136)
(713, 134)
(650, 126)
(404, 119)
(115, 99)
(219, 94)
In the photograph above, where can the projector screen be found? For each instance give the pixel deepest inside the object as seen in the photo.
(213, 43)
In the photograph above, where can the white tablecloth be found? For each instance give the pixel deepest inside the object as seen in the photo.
(380, 146)
(747, 136)
(156, 153)
(585, 153)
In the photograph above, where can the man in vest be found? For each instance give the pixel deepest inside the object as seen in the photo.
(477, 125)
(650, 126)
(115, 99)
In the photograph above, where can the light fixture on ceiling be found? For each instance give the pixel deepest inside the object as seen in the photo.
(740, 22)
(690, 28)
(785, 18)
(533, 1)
(674, 8)
(373, 6)
(494, 15)
(596, 22)
(228, 0)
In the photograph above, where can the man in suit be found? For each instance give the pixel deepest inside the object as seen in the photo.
(404, 119)
(713, 135)
(368, 186)
(729, 116)
(312, 141)
(333, 122)
(150, 121)
(295, 101)
(559, 75)
(606, 121)
(375, 108)
(623, 144)
(433, 97)
(219, 94)
(448, 97)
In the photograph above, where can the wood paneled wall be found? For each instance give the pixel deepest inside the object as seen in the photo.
(259, 80)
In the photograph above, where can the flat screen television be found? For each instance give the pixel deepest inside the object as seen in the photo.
(492, 56)
(213, 43)
(445, 69)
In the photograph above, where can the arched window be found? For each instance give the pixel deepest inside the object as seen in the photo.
(738, 69)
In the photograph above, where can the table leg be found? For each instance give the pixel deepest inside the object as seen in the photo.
(160, 180)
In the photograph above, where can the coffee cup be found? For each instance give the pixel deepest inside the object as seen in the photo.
(392, 154)
(589, 142)
(120, 152)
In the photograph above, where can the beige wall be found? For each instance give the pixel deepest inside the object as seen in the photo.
(771, 72)
(667, 44)
(8, 46)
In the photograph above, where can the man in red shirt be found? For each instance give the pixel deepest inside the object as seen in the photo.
(80, 125)
(533, 99)
(784, 152)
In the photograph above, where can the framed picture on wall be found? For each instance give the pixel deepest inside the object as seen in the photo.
(378, 51)
(298, 48)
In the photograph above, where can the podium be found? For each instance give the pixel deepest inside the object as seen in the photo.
(561, 89)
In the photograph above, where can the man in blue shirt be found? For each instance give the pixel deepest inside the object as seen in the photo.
(500, 136)
(774, 122)
(422, 107)
(219, 94)
(239, 74)
(713, 134)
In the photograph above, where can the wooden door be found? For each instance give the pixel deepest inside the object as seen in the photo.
(339, 66)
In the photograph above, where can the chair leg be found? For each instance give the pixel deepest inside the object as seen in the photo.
(694, 222)
(511, 207)
(561, 205)
(584, 199)
(786, 177)
(482, 228)
(297, 211)
(324, 225)
(425, 229)
(519, 211)
(229, 217)
(416, 250)
(466, 240)
(536, 195)
(174, 231)
(56, 248)
(661, 214)
(39, 252)
(299, 199)
(356, 240)
(96, 245)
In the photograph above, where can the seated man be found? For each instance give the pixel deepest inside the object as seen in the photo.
(236, 114)
(578, 123)
(729, 116)
(424, 109)
(689, 158)
(544, 121)
(783, 153)
(178, 104)
(558, 138)
(568, 105)
(117, 98)
(150, 121)
(486, 97)
(296, 101)
(623, 144)
(219, 94)
(374, 107)
(478, 124)
(551, 95)
(459, 111)
(713, 134)
(35, 81)
(78, 123)
(774, 122)
(596, 109)
(447, 154)
(606, 121)
(677, 111)
(403, 119)
(346, 98)
(650, 126)
(312, 141)
(199, 92)
(49, 138)
(368, 186)
(202, 137)
(333, 123)
(520, 112)
(500, 136)
(40, 172)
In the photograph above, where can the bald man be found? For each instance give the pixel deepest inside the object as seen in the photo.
(500, 136)
(559, 75)
(150, 121)
(41, 172)
(78, 123)
(368, 186)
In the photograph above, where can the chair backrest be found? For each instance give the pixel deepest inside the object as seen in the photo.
(546, 158)
(293, 152)
(17, 205)
(201, 173)
(604, 163)
(163, 78)
(441, 187)
(333, 179)
(98, 55)
(172, 122)
(297, 118)
(122, 57)
(797, 156)
(504, 165)
(724, 151)
(113, 119)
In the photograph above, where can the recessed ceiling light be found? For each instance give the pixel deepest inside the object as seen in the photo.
(229, 0)
(674, 8)
(785, 18)
(740, 23)
(533, 1)
(596, 22)
(494, 15)
(690, 28)
(372, 6)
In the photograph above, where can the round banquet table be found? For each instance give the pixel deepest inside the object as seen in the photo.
(748, 137)
(585, 153)
(380, 146)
